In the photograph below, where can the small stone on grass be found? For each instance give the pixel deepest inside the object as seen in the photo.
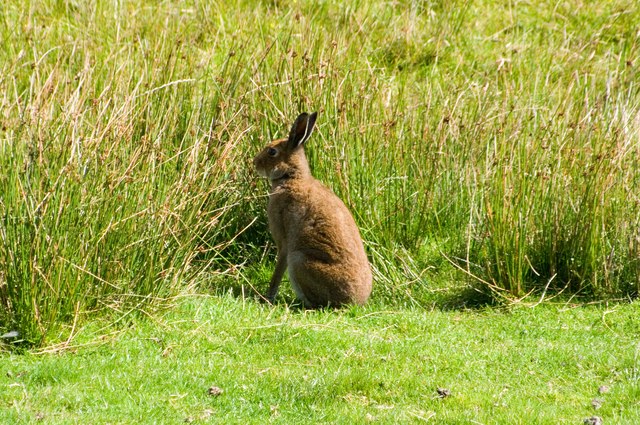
(594, 420)
(215, 391)
(443, 392)
(596, 403)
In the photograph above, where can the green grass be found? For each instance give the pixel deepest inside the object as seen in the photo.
(362, 365)
(490, 153)
(492, 138)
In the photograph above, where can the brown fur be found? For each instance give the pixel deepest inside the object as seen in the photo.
(317, 239)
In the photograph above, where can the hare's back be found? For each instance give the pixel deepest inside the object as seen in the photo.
(324, 223)
(327, 262)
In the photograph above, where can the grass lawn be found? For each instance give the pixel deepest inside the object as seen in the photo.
(545, 365)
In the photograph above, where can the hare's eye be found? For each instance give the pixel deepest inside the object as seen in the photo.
(272, 152)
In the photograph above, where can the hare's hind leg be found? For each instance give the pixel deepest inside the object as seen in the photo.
(317, 283)
(298, 278)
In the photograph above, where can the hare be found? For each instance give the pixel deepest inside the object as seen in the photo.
(317, 239)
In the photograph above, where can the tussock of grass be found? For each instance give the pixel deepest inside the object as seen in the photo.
(116, 174)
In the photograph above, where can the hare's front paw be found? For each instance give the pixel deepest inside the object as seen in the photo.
(267, 299)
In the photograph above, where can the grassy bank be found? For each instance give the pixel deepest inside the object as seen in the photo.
(490, 151)
(497, 137)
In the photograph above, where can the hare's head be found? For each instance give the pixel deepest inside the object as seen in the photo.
(284, 158)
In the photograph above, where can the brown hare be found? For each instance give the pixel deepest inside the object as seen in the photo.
(317, 239)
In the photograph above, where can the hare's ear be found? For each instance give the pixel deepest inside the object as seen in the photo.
(301, 129)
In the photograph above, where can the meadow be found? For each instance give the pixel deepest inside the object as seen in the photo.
(489, 151)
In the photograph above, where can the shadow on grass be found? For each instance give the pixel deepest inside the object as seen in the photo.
(251, 281)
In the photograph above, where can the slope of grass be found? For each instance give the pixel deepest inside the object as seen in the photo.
(496, 143)
(501, 137)
(362, 365)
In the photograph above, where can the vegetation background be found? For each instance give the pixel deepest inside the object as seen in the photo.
(489, 150)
